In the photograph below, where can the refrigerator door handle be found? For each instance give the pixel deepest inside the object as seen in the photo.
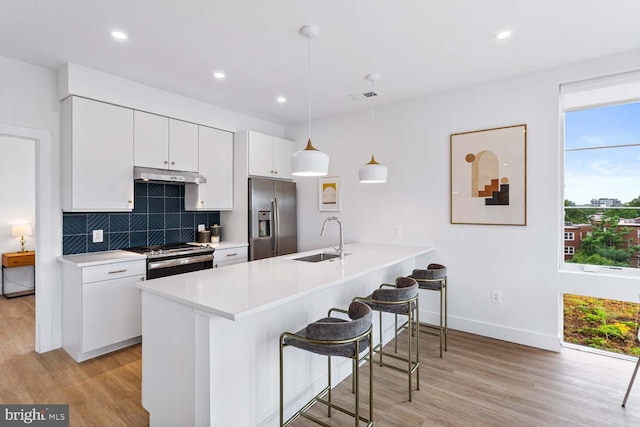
(276, 222)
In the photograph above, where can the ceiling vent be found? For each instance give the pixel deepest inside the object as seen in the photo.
(361, 96)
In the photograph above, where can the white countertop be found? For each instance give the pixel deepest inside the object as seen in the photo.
(99, 258)
(222, 245)
(240, 290)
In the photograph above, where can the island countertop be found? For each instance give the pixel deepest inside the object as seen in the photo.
(241, 290)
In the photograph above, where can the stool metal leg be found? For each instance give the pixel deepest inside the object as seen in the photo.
(409, 353)
(417, 333)
(446, 315)
(633, 378)
(281, 386)
(329, 385)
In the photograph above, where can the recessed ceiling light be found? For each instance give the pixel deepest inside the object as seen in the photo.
(119, 35)
(281, 99)
(503, 35)
(219, 75)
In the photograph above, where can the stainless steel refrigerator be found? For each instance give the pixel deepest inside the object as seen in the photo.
(273, 222)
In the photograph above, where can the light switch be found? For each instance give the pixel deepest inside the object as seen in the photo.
(200, 227)
(97, 236)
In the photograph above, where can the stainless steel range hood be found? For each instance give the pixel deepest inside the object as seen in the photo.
(165, 175)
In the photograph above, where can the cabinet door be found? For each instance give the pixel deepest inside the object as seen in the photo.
(101, 157)
(150, 140)
(282, 151)
(110, 312)
(183, 146)
(216, 165)
(260, 154)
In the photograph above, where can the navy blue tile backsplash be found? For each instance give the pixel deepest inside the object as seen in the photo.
(158, 218)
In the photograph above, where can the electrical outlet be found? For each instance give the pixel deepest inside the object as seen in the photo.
(397, 231)
(97, 236)
(200, 227)
(496, 297)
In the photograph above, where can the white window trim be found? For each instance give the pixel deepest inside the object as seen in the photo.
(599, 92)
(569, 235)
(569, 250)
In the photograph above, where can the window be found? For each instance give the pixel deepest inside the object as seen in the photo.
(601, 177)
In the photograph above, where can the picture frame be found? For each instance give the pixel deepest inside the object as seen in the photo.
(329, 193)
(489, 176)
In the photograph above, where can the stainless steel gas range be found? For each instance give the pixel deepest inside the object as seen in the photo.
(167, 260)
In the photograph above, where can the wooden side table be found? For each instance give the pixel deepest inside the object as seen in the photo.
(19, 259)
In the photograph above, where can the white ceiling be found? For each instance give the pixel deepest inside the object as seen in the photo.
(418, 46)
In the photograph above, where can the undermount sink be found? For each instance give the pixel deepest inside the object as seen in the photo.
(317, 257)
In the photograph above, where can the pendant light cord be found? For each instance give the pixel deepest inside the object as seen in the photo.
(373, 107)
(309, 87)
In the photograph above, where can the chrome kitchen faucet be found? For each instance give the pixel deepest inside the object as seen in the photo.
(340, 249)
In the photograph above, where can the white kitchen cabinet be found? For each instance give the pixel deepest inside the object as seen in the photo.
(150, 140)
(216, 165)
(165, 143)
(229, 256)
(101, 307)
(97, 156)
(269, 156)
(183, 145)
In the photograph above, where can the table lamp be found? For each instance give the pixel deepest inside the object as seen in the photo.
(21, 230)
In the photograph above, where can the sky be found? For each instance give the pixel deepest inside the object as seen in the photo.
(612, 173)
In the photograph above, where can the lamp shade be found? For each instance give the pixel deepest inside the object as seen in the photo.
(309, 162)
(372, 172)
(21, 230)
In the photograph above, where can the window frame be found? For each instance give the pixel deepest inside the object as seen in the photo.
(623, 88)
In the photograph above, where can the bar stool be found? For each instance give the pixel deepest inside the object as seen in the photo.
(434, 278)
(399, 299)
(332, 336)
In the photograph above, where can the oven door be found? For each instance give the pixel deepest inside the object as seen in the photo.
(169, 266)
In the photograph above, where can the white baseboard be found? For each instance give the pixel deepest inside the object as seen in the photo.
(500, 332)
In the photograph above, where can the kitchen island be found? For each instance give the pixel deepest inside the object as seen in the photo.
(210, 338)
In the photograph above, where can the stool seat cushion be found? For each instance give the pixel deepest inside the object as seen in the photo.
(406, 289)
(330, 329)
(432, 278)
(342, 350)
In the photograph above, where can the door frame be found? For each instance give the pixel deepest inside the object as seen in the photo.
(45, 253)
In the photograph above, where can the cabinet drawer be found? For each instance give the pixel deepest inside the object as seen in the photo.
(230, 254)
(113, 271)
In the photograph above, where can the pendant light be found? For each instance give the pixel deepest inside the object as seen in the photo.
(372, 172)
(310, 161)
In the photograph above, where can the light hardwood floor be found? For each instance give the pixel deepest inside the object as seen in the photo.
(479, 382)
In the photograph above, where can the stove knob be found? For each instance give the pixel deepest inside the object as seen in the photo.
(152, 252)
(159, 251)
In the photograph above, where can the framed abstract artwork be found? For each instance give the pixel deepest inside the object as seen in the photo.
(489, 176)
(329, 193)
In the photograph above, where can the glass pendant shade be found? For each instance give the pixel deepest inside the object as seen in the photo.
(309, 162)
(373, 172)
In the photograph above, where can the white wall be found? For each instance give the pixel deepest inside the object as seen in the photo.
(413, 141)
(29, 100)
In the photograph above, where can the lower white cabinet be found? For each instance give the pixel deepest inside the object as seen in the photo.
(101, 308)
(229, 256)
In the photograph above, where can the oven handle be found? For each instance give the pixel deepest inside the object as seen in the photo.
(154, 265)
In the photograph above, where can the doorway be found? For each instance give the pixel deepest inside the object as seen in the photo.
(45, 270)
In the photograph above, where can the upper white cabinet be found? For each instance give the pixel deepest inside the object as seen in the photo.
(269, 156)
(164, 143)
(216, 165)
(150, 140)
(97, 150)
(183, 145)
